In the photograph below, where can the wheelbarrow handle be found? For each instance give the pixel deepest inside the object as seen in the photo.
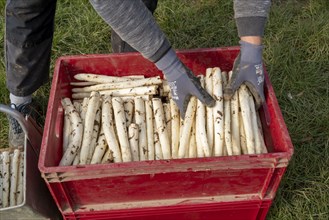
(32, 131)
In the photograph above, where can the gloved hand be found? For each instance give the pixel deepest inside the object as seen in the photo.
(248, 69)
(182, 82)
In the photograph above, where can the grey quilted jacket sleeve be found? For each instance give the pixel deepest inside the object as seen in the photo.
(250, 16)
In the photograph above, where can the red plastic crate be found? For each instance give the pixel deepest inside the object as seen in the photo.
(232, 187)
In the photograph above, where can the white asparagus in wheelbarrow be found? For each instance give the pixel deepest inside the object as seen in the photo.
(20, 181)
(133, 136)
(5, 178)
(140, 120)
(218, 113)
(121, 127)
(77, 133)
(161, 127)
(108, 128)
(188, 121)
(14, 167)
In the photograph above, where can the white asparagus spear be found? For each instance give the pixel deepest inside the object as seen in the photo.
(193, 146)
(108, 157)
(200, 130)
(82, 110)
(20, 185)
(76, 159)
(167, 112)
(121, 127)
(77, 105)
(133, 136)
(134, 77)
(175, 128)
(218, 113)
(260, 130)
(66, 131)
(89, 77)
(161, 127)
(140, 120)
(209, 110)
(157, 145)
(188, 121)
(5, 178)
(235, 127)
(120, 85)
(129, 110)
(149, 129)
(246, 118)
(95, 134)
(93, 105)
(14, 167)
(100, 149)
(137, 91)
(77, 133)
(253, 114)
(108, 128)
(144, 97)
(227, 121)
(243, 140)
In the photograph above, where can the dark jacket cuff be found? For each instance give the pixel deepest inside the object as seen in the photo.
(160, 52)
(250, 26)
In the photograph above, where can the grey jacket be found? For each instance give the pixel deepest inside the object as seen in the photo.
(136, 25)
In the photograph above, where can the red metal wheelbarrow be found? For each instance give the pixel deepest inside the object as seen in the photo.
(37, 201)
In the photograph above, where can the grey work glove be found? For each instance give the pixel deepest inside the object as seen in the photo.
(182, 82)
(248, 69)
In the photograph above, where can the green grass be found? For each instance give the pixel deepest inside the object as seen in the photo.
(296, 56)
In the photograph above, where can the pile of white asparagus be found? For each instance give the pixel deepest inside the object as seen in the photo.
(11, 178)
(122, 119)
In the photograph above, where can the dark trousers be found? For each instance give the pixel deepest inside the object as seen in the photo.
(28, 41)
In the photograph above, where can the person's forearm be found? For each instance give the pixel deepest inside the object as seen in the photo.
(250, 16)
(133, 22)
(257, 40)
